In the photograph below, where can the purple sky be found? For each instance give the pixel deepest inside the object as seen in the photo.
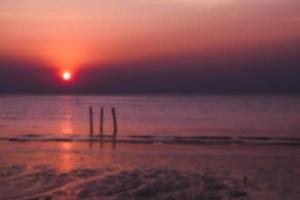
(158, 46)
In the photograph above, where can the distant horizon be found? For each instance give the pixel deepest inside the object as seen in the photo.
(254, 94)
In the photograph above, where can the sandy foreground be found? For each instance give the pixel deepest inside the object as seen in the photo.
(82, 170)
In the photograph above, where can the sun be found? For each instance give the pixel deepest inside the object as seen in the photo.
(66, 76)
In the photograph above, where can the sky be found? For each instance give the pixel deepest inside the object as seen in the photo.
(150, 46)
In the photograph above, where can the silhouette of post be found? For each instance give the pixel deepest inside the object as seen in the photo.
(91, 121)
(115, 125)
(101, 122)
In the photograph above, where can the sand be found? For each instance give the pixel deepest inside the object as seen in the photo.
(81, 170)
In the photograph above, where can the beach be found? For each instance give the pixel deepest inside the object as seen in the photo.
(83, 170)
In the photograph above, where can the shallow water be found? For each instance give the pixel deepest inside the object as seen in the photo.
(76, 170)
(238, 116)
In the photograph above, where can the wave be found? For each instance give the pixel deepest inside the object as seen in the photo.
(150, 139)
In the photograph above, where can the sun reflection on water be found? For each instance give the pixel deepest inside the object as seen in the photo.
(66, 156)
(66, 122)
(66, 127)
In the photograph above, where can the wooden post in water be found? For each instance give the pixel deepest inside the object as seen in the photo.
(115, 130)
(91, 121)
(101, 122)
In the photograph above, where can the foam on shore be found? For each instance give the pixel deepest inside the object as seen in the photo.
(149, 139)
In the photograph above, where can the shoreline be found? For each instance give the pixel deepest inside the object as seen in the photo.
(148, 139)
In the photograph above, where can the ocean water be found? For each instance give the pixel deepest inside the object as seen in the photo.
(64, 169)
(215, 115)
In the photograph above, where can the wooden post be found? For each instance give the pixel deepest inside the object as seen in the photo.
(91, 121)
(115, 130)
(101, 121)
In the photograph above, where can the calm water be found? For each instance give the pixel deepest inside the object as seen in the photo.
(274, 116)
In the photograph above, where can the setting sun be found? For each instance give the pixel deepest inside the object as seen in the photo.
(66, 76)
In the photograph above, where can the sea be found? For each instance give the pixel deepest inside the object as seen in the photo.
(150, 116)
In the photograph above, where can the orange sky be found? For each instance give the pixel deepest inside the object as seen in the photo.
(71, 33)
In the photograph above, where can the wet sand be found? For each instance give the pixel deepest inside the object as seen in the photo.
(82, 170)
